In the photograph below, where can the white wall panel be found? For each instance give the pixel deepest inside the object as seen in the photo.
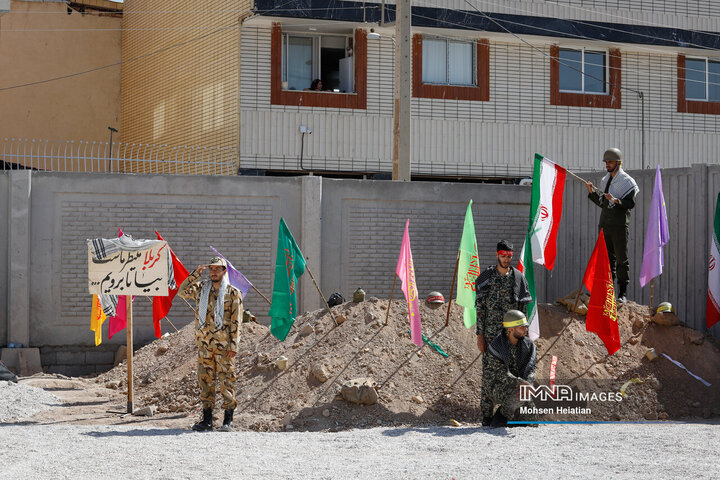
(692, 15)
(491, 138)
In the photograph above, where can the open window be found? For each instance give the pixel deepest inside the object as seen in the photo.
(585, 77)
(698, 85)
(451, 69)
(319, 70)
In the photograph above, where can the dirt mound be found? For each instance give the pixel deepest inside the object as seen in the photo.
(666, 391)
(422, 387)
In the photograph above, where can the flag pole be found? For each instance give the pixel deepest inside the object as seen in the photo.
(652, 288)
(166, 318)
(263, 296)
(321, 294)
(457, 262)
(389, 301)
(577, 298)
(581, 179)
(128, 328)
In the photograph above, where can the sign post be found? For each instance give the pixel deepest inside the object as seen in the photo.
(140, 272)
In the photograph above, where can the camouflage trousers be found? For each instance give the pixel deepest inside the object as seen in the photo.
(216, 367)
(486, 405)
(507, 397)
(498, 392)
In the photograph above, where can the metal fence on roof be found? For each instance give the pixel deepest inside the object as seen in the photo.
(115, 157)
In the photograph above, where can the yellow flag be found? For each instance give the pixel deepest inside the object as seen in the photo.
(97, 317)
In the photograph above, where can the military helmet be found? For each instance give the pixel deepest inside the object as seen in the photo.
(359, 295)
(514, 318)
(613, 154)
(435, 297)
(665, 307)
(336, 299)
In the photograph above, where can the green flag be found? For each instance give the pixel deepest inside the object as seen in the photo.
(468, 269)
(289, 266)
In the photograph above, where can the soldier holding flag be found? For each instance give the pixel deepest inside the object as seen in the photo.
(616, 198)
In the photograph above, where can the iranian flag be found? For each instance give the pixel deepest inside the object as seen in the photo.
(545, 210)
(541, 240)
(713, 298)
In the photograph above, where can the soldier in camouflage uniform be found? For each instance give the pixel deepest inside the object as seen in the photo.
(217, 329)
(511, 362)
(498, 288)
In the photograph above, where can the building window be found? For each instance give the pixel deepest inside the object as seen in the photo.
(585, 77)
(451, 69)
(339, 62)
(583, 71)
(327, 58)
(702, 79)
(698, 85)
(448, 62)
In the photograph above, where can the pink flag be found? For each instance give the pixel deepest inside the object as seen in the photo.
(119, 321)
(406, 271)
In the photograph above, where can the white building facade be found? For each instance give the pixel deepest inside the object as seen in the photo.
(493, 83)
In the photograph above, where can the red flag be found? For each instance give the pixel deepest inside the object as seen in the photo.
(602, 310)
(162, 305)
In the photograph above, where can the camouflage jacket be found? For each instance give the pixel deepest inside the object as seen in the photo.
(510, 364)
(495, 295)
(210, 337)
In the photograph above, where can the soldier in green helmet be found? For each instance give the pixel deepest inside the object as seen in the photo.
(512, 360)
(616, 197)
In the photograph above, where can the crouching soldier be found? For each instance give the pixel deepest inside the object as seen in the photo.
(217, 329)
(511, 363)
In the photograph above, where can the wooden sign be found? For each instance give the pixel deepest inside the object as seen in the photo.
(144, 272)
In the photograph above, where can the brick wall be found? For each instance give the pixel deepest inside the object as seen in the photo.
(180, 76)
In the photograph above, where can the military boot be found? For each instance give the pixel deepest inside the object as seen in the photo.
(205, 425)
(498, 420)
(227, 425)
(622, 294)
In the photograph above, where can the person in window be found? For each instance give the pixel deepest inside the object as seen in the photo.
(316, 85)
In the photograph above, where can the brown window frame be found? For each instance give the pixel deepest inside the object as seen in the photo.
(707, 107)
(479, 92)
(612, 99)
(357, 100)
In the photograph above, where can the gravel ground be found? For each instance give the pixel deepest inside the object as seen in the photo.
(602, 451)
(21, 401)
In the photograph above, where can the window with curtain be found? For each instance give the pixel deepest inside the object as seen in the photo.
(583, 71)
(448, 62)
(324, 57)
(702, 79)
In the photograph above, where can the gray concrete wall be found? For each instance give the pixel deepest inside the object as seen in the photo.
(4, 180)
(363, 224)
(237, 216)
(349, 230)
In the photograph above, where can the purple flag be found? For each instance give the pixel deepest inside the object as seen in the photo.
(657, 234)
(235, 278)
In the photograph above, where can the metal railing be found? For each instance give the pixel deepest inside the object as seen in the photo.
(116, 157)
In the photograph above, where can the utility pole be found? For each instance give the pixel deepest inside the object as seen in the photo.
(402, 92)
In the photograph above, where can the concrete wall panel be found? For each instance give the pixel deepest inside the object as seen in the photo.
(238, 216)
(4, 193)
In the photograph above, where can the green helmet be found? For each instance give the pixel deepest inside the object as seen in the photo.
(514, 318)
(359, 295)
(665, 307)
(613, 154)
